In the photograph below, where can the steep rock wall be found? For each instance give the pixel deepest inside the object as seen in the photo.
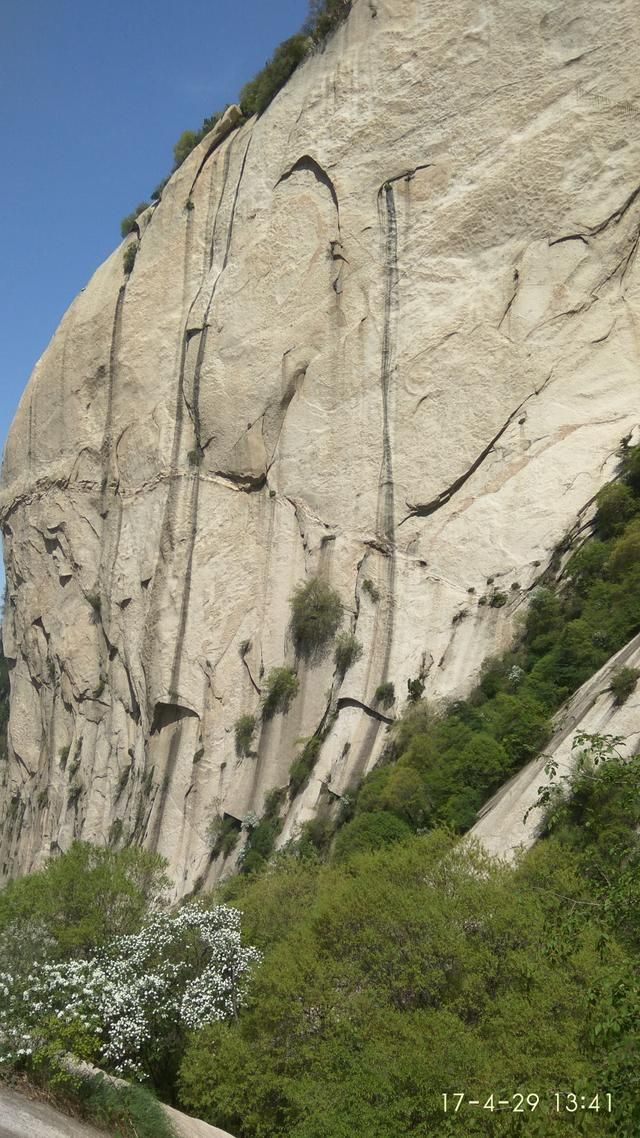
(386, 333)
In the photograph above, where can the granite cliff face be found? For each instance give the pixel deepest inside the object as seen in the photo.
(387, 333)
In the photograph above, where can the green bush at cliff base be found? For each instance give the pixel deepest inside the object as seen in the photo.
(441, 769)
(302, 766)
(84, 897)
(408, 972)
(124, 1110)
(263, 834)
(128, 1111)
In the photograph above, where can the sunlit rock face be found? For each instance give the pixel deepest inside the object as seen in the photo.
(387, 333)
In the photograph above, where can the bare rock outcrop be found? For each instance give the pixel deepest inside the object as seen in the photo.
(387, 333)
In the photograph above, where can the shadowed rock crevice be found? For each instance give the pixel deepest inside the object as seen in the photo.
(168, 714)
(307, 163)
(348, 701)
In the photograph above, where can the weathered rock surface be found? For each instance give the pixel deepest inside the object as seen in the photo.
(510, 821)
(21, 1117)
(387, 333)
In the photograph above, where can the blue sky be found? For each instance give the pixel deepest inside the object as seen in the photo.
(93, 96)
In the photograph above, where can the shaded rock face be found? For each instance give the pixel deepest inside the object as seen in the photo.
(387, 334)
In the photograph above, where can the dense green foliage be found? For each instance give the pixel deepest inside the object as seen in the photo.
(425, 968)
(316, 612)
(263, 834)
(78, 901)
(440, 770)
(281, 687)
(325, 16)
(256, 95)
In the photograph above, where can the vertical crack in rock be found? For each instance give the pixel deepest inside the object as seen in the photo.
(192, 503)
(225, 177)
(221, 130)
(107, 449)
(389, 224)
(385, 517)
(109, 497)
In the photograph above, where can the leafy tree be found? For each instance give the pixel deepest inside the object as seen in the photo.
(325, 16)
(129, 1004)
(370, 832)
(616, 505)
(544, 620)
(86, 896)
(186, 143)
(625, 554)
(631, 468)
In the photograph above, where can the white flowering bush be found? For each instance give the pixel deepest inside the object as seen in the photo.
(128, 1005)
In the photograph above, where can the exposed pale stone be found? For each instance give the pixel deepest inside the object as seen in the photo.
(511, 821)
(387, 332)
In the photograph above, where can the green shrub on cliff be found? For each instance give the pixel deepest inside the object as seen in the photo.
(129, 223)
(463, 755)
(280, 689)
(316, 612)
(256, 95)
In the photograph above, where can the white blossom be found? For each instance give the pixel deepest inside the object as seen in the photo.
(188, 968)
